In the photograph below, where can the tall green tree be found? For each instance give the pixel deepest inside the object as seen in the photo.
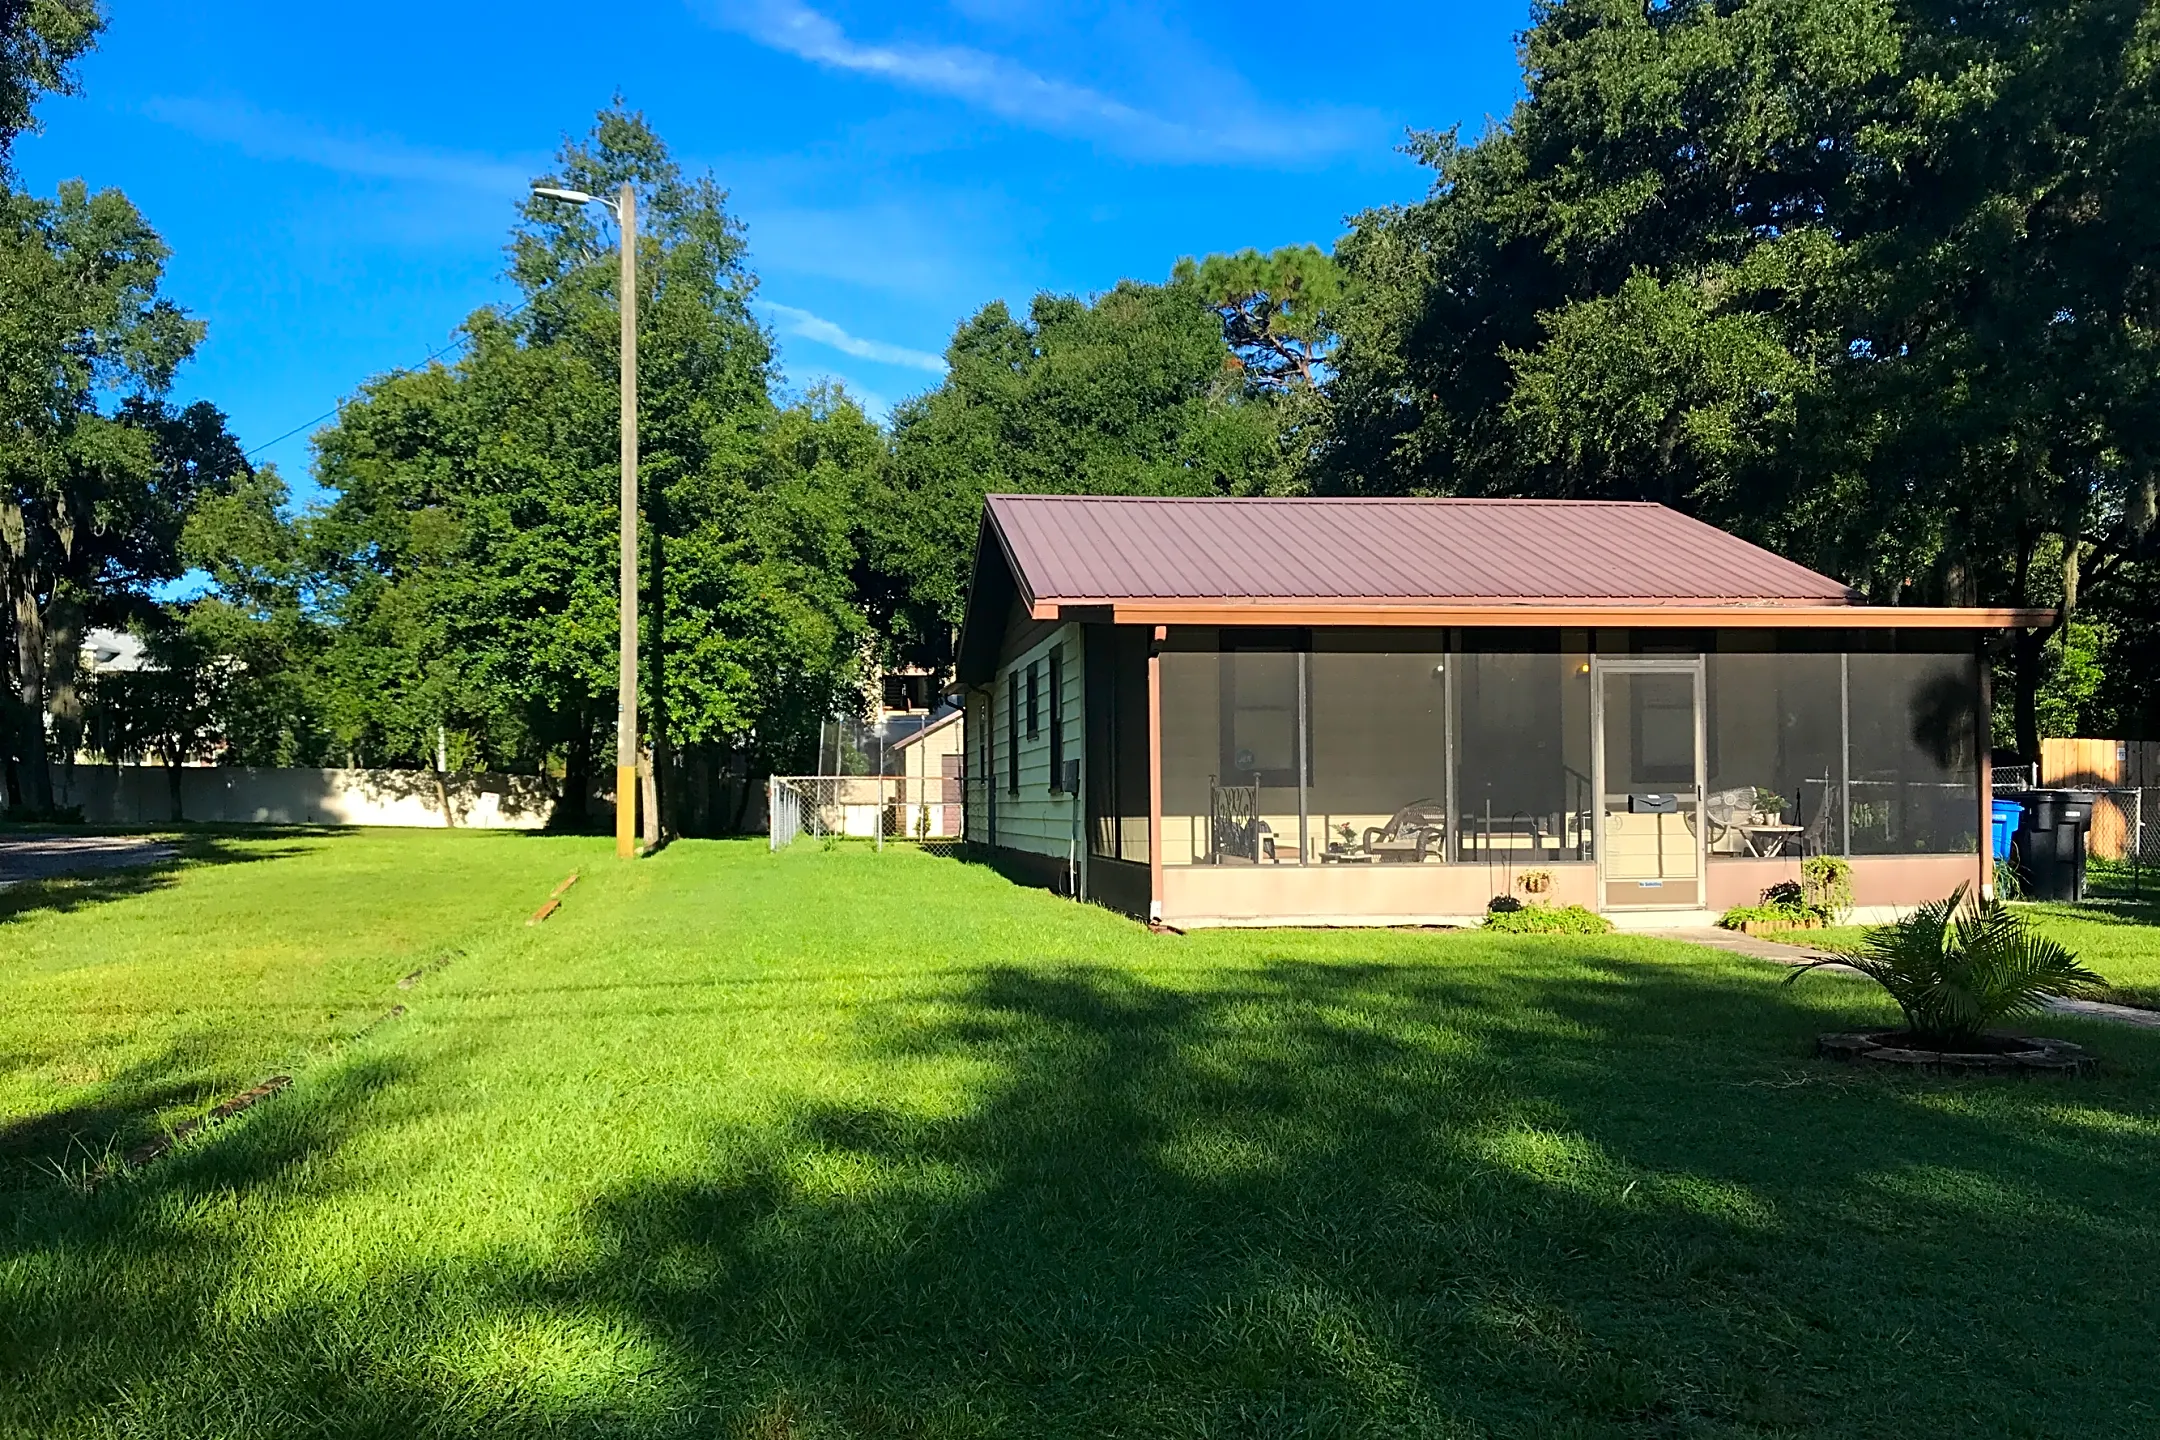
(469, 559)
(258, 618)
(1134, 393)
(40, 41)
(1871, 284)
(96, 472)
(1277, 310)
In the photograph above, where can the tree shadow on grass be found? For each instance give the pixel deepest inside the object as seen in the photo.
(1324, 1199)
(2140, 914)
(83, 1137)
(184, 850)
(1575, 1192)
(114, 1297)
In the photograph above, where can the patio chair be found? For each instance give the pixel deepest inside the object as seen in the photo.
(1727, 814)
(1235, 828)
(1409, 834)
(1815, 840)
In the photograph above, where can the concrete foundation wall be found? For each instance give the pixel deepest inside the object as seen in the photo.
(1883, 886)
(1349, 894)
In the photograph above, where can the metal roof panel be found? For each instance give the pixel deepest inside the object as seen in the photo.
(1105, 548)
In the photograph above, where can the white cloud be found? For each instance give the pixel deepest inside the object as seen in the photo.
(1014, 92)
(822, 331)
(280, 137)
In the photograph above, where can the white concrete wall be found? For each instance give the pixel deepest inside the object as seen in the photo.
(1038, 819)
(142, 795)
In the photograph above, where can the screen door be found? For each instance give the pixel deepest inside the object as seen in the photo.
(1650, 783)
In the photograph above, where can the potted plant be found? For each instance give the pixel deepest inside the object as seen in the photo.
(1784, 906)
(1826, 885)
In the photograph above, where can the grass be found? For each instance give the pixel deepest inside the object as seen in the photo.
(835, 1144)
(2118, 938)
(246, 954)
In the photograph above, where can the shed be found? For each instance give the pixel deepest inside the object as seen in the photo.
(1353, 711)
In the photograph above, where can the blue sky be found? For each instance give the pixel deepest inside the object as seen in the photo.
(336, 182)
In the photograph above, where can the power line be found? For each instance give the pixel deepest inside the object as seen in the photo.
(331, 413)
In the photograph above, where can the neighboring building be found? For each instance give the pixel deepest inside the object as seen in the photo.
(901, 703)
(911, 691)
(108, 651)
(1386, 711)
(928, 765)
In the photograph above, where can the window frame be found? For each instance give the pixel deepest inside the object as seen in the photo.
(1012, 734)
(1264, 641)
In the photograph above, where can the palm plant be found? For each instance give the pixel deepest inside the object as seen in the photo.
(1956, 968)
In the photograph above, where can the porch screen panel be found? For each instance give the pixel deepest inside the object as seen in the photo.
(1915, 756)
(1230, 749)
(1775, 755)
(1115, 763)
(1192, 747)
(1523, 748)
(1379, 756)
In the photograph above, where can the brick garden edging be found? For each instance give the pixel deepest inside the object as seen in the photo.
(2021, 1054)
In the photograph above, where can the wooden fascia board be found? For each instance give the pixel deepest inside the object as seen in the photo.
(1562, 613)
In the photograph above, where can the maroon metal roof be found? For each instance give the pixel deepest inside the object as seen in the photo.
(1094, 548)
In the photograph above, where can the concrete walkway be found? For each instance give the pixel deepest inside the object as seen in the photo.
(42, 857)
(1783, 954)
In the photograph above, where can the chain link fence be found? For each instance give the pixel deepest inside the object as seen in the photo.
(2122, 848)
(877, 808)
(2125, 838)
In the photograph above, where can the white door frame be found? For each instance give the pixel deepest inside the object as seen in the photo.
(1695, 668)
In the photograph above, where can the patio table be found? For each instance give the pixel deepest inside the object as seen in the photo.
(1766, 841)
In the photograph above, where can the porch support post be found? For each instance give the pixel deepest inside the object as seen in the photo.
(1844, 714)
(1304, 764)
(1154, 775)
(1984, 741)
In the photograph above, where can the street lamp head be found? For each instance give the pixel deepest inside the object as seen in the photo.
(575, 197)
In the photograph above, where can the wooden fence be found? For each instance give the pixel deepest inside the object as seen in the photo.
(2119, 766)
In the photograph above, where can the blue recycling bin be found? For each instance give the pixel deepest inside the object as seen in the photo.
(2005, 815)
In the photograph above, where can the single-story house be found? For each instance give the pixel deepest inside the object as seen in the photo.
(1350, 711)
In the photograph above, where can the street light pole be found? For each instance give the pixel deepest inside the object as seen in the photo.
(626, 733)
(624, 205)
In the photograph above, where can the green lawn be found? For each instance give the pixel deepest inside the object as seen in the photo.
(835, 1144)
(251, 953)
(2120, 939)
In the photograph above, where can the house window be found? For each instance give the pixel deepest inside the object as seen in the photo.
(1012, 736)
(1057, 721)
(1034, 699)
(1259, 698)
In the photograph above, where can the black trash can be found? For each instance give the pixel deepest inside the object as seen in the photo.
(2050, 847)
